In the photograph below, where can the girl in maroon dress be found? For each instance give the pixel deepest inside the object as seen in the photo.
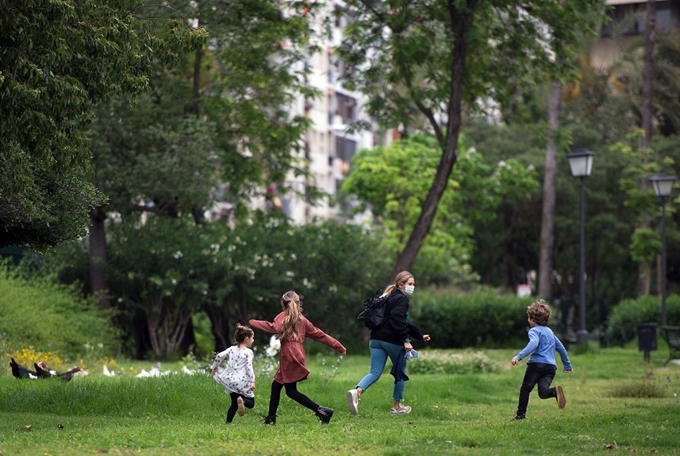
(291, 327)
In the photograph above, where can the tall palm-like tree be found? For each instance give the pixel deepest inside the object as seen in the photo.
(627, 78)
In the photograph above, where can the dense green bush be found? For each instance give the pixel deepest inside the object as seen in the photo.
(48, 317)
(439, 361)
(623, 321)
(215, 275)
(483, 318)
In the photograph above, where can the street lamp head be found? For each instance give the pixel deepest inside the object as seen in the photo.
(662, 183)
(581, 162)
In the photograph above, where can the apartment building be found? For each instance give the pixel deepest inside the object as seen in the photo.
(329, 146)
(608, 46)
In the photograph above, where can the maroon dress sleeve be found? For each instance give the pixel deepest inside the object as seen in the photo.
(270, 327)
(318, 335)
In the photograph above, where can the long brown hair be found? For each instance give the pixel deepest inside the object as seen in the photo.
(293, 308)
(400, 279)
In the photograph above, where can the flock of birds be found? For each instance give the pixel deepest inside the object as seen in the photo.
(156, 371)
(41, 371)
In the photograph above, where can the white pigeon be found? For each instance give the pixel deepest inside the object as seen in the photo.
(143, 373)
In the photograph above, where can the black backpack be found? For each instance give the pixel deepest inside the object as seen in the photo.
(375, 312)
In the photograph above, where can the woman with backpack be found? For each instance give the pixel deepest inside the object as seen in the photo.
(391, 340)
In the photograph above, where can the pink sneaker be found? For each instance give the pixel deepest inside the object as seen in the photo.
(401, 410)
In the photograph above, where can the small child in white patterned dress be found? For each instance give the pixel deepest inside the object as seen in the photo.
(238, 377)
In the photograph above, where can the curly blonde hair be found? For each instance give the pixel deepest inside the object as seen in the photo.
(539, 312)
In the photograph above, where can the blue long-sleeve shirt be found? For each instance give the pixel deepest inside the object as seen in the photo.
(542, 345)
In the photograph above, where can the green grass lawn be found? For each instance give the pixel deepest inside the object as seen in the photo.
(452, 414)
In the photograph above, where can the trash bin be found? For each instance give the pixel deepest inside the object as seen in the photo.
(647, 338)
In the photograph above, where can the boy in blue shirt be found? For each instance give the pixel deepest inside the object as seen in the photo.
(541, 367)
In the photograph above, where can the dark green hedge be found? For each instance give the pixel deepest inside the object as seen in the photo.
(480, 319)
(624, 318)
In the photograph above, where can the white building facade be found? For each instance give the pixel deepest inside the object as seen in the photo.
(328, 145)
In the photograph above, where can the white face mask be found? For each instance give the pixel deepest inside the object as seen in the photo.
(408, 289)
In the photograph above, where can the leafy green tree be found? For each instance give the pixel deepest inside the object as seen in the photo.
(335, 267)
(507, 246)
(622, 96)
(214, 125)
(447, 54)
(244, 81)
(56, 60)
(394, 180)
(159, 273)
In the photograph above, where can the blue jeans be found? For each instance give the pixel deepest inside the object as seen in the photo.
(379, 352)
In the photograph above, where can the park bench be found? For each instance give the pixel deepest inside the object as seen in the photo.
(672, 336)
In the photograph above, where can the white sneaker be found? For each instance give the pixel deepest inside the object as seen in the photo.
(353, 401)
(402, 410)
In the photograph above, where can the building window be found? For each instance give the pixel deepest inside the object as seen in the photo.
(346, 107)
(664, 18)
(345, 148)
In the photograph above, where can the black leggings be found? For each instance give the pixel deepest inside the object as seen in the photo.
(291, 392)
(248, 402)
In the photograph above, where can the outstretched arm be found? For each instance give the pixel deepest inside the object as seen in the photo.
(315, 333)
(218, 360)
(274, 327)
(530, 347)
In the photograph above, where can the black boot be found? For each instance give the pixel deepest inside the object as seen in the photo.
(325, 414)
(271, 420)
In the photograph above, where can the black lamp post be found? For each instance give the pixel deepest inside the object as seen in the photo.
(581, 164)
(663, 185)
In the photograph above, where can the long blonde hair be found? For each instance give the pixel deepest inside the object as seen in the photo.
(293, 308)
(401, 279)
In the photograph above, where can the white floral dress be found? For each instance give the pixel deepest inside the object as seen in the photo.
(238, 374)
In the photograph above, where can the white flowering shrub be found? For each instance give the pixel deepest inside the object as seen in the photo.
(266, 361)
(446, 362)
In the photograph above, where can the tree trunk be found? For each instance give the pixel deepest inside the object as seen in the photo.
(644, 267)
(188, 343)
(99, 282)
(545, 264)
(140, 332)
(193, 109)
(463, 18)
(219, 326)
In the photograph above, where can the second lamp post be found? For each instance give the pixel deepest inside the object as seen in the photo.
(581, 164)
(663, 185)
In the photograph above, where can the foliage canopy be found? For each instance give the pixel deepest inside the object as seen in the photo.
(56, 60)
